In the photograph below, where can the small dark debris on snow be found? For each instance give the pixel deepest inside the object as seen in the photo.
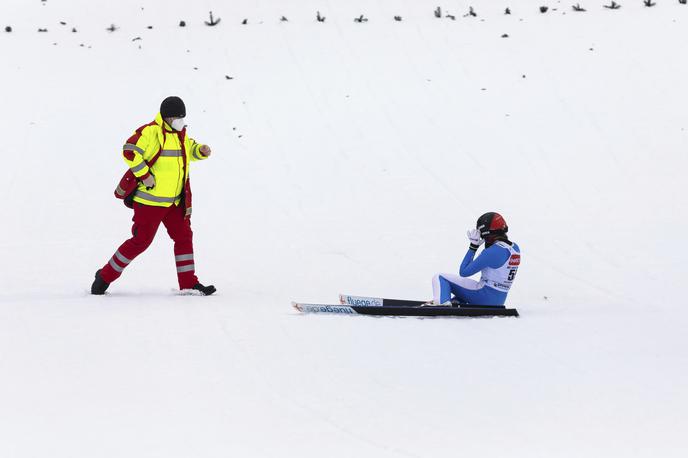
(578, 8)
(229, 77)
(150, 27)
(682, 2)
(42, 30)
(648, 3)
(195, 68)
(613, 6)
(438, 12)
(182, 23)
(63, 23)
(319, 17)
(523, 76)
(244, 22)
(471, 12)
(361, 19)
(397, 18)
(8, 29)
(73, 29)
(507, 11)
(451, 16)
(505, 35)
(213, 21)
(543, 9)
(136, 39)
(284, 19)
(112, 28)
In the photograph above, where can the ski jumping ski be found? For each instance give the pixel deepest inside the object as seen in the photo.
(378, 306)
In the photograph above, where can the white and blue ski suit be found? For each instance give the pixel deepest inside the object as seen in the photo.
(497, 264)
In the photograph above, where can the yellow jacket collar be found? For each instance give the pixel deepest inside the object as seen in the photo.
(161, 122)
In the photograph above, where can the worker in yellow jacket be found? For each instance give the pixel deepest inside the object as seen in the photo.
(158, 156)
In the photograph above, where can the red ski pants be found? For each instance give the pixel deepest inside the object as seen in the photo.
(147, 219)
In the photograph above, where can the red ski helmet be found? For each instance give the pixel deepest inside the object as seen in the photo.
(491, 224)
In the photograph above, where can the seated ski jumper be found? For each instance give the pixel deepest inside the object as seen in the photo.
(498, 265)
(167, 202)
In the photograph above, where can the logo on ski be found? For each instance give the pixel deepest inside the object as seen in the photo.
(360, 301)
(324, 308)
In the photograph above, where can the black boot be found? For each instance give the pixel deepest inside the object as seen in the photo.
(99, 285)
(206, 290)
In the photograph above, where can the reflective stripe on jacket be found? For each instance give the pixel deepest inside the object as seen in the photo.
(170, 170)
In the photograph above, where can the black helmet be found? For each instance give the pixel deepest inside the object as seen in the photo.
(491, 224)
(172, 107)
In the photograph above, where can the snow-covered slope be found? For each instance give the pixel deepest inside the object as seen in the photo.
(348, 157)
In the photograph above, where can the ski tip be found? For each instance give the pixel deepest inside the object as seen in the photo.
(297, 306)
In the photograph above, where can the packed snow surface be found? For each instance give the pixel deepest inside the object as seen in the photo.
(347, 157)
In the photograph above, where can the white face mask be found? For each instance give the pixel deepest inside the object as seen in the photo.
(178, 124)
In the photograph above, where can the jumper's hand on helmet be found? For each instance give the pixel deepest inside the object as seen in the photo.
(205, 150)
(475, 238)
(149, 181)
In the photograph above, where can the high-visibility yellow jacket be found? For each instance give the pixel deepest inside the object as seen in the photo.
(174, 151)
